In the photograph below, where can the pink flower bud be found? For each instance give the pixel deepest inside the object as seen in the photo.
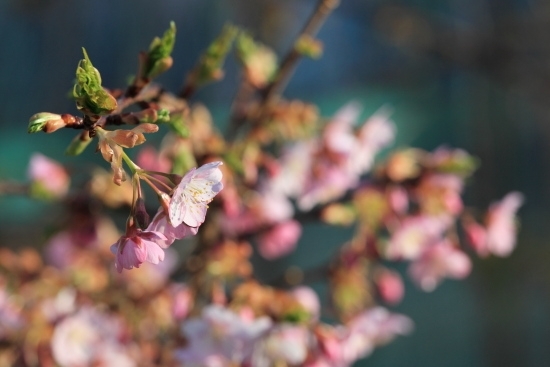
(390, 286)
(280, 240)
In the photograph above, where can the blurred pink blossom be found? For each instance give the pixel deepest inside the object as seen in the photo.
(309, 300)
(50, 175)
(89, 337)
(414, 234)
(341, 346)
(498, 237)
(390, 286)
(220, 337)
(398, 199)
(279, 240)
(376, 133)
(285, 343)
(441, 260)
(149, 159)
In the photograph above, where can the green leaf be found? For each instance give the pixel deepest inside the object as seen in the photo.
(158, 57)
(90, 96)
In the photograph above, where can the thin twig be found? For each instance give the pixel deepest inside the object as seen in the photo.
(288, 65)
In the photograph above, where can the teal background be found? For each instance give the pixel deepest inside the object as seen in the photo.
(471, 74)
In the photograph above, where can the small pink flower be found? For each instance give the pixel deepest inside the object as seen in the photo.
(138, 246)
(442, 260)
(50, 175)
(279, 240)
(193, 194)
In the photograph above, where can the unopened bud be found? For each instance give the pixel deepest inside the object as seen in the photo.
(142, 218)
(309, 47)
(160, 66)
(45, 121)
(78, 144)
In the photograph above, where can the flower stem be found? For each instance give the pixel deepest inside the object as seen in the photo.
(133, 167)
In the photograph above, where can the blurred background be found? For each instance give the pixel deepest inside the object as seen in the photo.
(467, 73)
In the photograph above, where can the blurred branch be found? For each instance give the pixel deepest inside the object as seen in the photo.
(288, 65)
(13, 188)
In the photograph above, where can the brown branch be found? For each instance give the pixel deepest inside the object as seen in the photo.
(13, 188)
(288, 65)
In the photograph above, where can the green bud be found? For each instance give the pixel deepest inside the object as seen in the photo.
(259, 61)
(158, 57)
(459, 163)
(163, 116)
(38, 121)
(209, 67)
(90, 96)
(178, 125)
(309, 47)
(78, 144)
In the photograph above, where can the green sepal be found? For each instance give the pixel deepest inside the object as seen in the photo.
(158, 57)
(90, 96)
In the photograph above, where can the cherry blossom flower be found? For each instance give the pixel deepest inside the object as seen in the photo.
(498, 236)
(279, 240)
(341, 346)
(414, 234)
(220, 337)
(309, 300)
(192, 195)
(51, 177)
(379, 326)
(138, 246)
(285, 343)
(89, 337)
(161, 224)
(441, 260)
(376, 133)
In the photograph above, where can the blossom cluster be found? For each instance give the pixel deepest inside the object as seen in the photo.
(181, 288)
